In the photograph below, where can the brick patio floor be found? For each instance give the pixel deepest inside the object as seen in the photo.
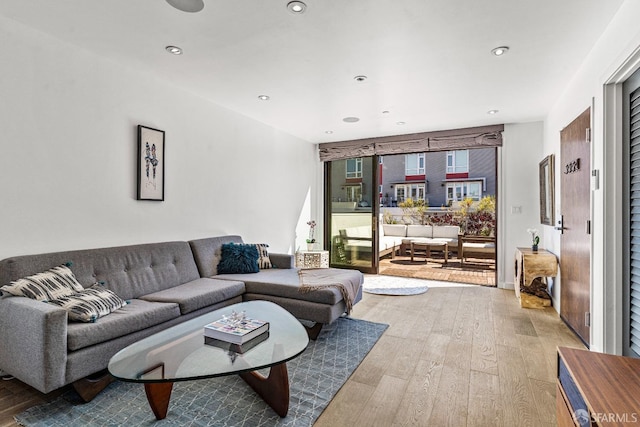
(475, 271)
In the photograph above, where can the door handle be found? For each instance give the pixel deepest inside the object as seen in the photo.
(560, 225)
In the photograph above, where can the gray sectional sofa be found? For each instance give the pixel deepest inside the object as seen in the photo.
(164, 283)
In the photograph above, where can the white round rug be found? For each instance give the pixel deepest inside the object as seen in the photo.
(390, 285)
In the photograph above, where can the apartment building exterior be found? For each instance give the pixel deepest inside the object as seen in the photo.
(440, 178)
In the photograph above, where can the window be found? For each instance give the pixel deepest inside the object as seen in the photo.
(458, 191)
(410, 191)
(354, 168)
(414, 164)
(458, 161)
(354, 193)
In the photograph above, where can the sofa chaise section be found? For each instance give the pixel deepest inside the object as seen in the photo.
(280, 284)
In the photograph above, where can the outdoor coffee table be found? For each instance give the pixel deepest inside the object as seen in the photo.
(428, 246)
(179, 353)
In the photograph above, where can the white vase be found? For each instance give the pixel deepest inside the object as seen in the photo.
(310, 246)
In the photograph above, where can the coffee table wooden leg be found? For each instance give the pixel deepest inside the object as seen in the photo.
(158, 395)
(273, 389)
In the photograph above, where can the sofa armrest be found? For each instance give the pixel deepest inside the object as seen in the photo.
(282, 260)
(33, 337)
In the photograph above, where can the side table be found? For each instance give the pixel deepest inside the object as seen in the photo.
(530, 265)
(312, 259)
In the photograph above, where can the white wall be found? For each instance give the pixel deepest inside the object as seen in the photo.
(68, 145)
(612, 51)
(518, 205)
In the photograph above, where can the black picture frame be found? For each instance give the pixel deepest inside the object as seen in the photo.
(151, 169)
(547, 184)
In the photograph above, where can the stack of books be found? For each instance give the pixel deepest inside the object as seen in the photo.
(239, 337)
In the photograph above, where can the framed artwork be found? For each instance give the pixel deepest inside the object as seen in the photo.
(547, 184)
(150, 164)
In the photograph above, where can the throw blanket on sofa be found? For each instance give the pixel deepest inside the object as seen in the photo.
(312, 279)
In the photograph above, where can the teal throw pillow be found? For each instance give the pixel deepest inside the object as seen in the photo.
(238, 258)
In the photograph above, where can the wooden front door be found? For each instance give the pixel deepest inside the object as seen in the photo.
(575, 178)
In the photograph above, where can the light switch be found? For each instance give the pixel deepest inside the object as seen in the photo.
(516, 209)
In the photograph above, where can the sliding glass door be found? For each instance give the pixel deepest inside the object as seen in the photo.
(351, 209)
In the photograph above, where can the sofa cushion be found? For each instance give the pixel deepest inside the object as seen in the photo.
(396, 230)
(414, 230)
(198, 293)
(54, 283)
(207, 253)
(90, 304)
(238, 258)
(286, 283)
(135, 316)
(263, 256)
(446, 231)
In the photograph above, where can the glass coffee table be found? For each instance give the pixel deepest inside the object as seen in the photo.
(179, 353)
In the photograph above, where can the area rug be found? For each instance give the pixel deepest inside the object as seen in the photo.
(315, 377)
(390, 285)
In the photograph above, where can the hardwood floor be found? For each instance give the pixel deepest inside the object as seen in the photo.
(458, 356)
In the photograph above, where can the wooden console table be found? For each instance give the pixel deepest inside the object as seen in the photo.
(530, 266)
(596, 389)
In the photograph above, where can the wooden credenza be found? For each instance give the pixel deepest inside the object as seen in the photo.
(529, 266)
(596, 389)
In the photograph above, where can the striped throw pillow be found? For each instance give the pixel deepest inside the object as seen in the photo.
(51, 284)
(263, 256)
(90, 304)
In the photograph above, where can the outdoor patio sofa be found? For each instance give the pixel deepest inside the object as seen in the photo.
(163, 284)
(396, 238)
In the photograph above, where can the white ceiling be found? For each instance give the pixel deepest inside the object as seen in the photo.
(428, 62)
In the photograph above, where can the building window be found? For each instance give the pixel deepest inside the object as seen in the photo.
(410, 191)
(354, 168)
(458, 191)
(458, 161)
(353, 193)
(414, 164)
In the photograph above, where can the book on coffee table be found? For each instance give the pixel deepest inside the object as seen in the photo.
(237, 348)
(235, 332)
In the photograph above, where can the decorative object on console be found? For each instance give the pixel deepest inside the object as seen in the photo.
(54, 283)
(150, 164)
(238, 258)
(535, 239)
(312, 230)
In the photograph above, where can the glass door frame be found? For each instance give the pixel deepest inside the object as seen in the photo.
(372, 268)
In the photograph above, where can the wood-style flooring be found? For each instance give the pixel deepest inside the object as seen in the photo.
(457, 356)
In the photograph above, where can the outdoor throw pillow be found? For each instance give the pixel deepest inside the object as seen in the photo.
(263, 256)
(90, 304)
(51, 284)
(238, 258)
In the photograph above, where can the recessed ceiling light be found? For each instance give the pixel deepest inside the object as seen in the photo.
(263, 97)
(360, 79)
(296, 7)
(350, 119)
(401, 123)
(493, 112)
(187, 5)
(175, 50)
(328, 132)
(499, 51)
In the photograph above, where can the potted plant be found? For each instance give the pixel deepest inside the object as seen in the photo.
(311, 239)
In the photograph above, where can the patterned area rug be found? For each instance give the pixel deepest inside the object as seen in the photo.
(315, 377)
(389, 285)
